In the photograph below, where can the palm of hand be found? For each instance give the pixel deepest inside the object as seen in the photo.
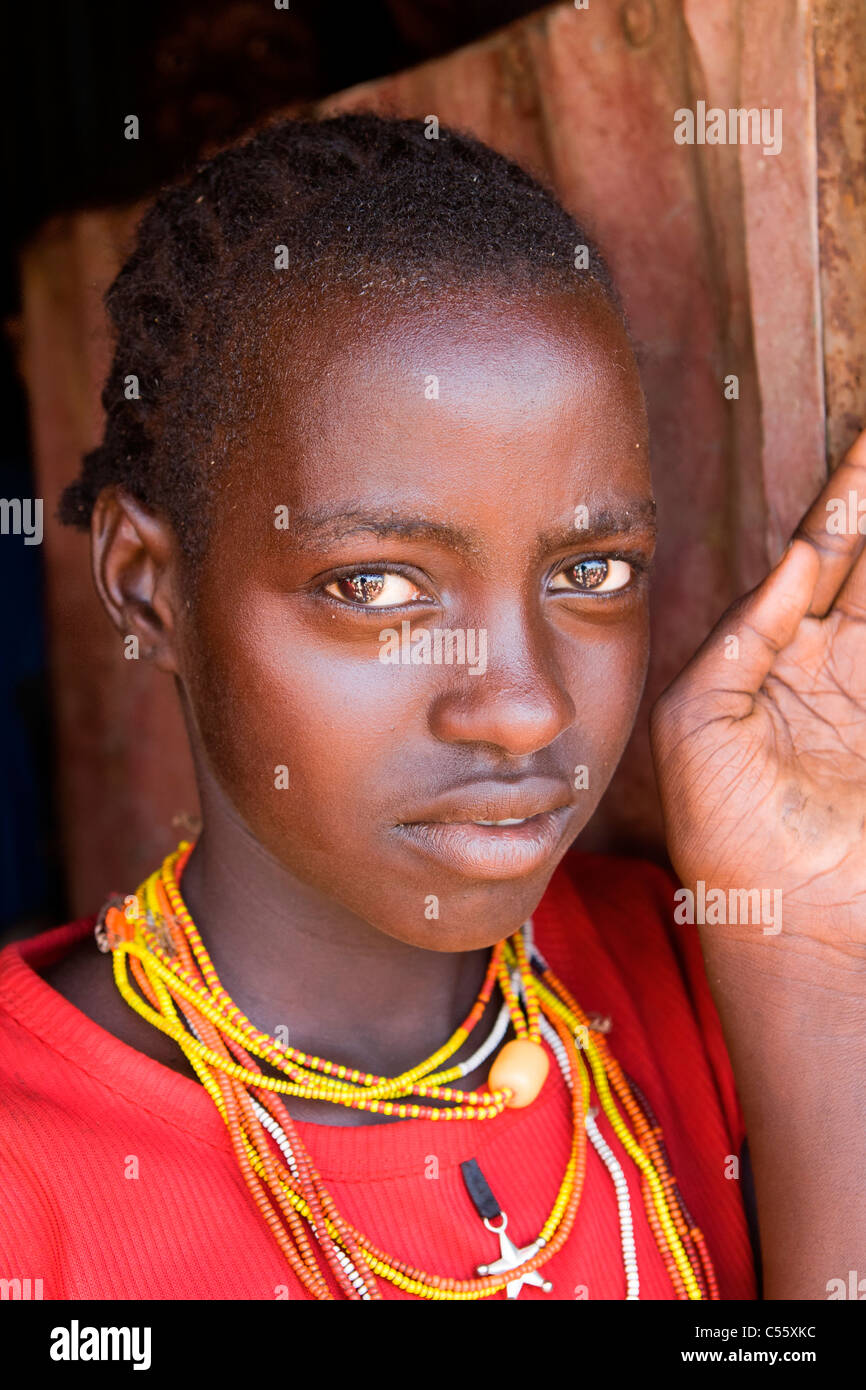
(760, 743)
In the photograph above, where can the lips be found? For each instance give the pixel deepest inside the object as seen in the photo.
(461, 832)
(494, 801)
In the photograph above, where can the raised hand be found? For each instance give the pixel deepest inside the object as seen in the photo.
(760, 742)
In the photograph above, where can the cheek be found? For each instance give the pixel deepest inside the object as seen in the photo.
(606, 675)
(303, 734)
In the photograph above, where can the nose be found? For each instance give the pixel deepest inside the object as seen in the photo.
(520, 703)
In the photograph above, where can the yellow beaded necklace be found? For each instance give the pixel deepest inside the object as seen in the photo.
(154, 936)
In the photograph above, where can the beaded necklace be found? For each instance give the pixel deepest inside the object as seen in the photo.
(153, 935)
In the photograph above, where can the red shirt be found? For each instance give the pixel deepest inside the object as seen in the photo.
(81, 1112)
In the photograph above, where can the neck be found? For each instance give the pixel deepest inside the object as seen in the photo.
(291, 959)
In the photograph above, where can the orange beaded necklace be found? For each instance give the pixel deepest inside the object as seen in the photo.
(153, 935)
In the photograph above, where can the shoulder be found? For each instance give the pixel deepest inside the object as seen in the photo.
(634, 901)
(612, 917)
(30, 1024)
(56, 1089)
(32, 1108)
(614, 908)
(59, 1004)
(607, 926)
(632, 889)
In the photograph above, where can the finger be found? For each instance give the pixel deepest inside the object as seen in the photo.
(740, 651)
(851, 598)
(833, 526)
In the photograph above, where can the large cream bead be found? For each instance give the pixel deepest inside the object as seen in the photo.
(522, 1067)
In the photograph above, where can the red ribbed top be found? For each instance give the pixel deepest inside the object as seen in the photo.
(78, 1105)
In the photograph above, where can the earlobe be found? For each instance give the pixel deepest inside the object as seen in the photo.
(134, 564)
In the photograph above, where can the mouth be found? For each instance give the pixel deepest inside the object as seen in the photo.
(478, 845)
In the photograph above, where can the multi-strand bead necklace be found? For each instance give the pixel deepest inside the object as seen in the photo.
(153, 935)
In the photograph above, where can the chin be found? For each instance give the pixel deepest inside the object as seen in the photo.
(471, 918)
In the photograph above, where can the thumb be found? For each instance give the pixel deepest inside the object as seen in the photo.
(739, 652)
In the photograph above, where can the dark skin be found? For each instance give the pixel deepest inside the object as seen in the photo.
(330, 890)
(312, 898)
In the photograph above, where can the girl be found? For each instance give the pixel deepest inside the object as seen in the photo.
(377, 1033)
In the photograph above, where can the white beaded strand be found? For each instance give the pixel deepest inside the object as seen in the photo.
(623, 1202)
(277, 1132)
(498, 1031)
(611, 1163)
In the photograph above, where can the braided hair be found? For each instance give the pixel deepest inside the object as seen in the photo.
(261, 229)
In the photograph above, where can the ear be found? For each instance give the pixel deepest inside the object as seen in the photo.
(135, 559)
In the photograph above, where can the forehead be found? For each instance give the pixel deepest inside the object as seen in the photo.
(471, 405)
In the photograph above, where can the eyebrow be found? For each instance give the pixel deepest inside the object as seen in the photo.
(637, 518)
(328, 526)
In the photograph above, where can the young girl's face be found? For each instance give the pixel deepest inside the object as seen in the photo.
(425, 599)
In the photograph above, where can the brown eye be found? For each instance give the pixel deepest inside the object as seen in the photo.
(374, 590)
(361, 588)
(589, 574)
(593, 575)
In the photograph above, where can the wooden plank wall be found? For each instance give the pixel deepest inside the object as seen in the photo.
(724, 266)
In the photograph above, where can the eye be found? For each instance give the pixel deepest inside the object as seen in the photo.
(373, 589)
(593, 577)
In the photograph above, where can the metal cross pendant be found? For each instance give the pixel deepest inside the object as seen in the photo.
(510, 1257)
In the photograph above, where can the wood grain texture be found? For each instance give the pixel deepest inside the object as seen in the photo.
(840, 75)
